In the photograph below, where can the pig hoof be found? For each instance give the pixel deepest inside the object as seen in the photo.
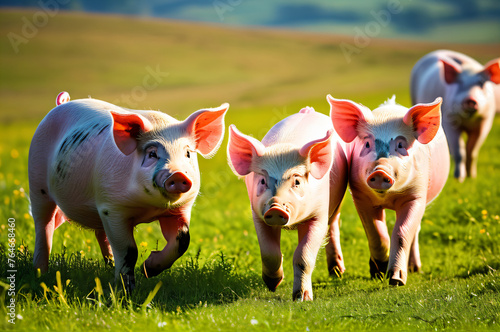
(302, 296)
(378, 268)
(397, 278)
(336, 271)
(272, 283)
(150, 272)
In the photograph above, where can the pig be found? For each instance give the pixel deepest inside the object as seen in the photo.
(296, 178)
(399, 160)
(467, 89)
(109, 169)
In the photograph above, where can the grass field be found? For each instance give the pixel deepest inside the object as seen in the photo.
(216, 285)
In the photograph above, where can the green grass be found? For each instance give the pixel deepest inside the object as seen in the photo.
(216, 285)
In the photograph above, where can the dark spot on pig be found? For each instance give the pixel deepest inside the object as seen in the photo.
(401, 242)
(301, 266)
(130, 260)
(63, 147)
(82, 139)
(382, 149)
(60, 169)
(183, 238)
(43, 192)
(127, 269)
(102, 129)
(106, 212)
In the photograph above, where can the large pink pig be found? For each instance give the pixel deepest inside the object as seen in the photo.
(468, 92)
(109, 169)
(398, 160)
(296, 179)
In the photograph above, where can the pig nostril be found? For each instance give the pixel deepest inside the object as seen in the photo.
(386, 180)
(372, 179)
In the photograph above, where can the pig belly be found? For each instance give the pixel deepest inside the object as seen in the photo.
(439, 166)
(84, 214)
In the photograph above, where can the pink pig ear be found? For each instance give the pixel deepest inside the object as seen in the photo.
(425, 120)
(450, 70)
(319, 153)
(207, 128)
(241, 150)
(346, 115)
(126, 129)
(492, 70)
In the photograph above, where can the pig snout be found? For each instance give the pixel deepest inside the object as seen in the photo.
(469, 105)
(380, 179)
(276, 216)
(178, 183)
(175, 183)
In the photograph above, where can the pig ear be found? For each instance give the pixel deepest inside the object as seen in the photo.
(346, 116)
(207, 128)
(425, 120)
(492, 70)
(126, 129)
(319, 153)
(241, 150)
(450, 70)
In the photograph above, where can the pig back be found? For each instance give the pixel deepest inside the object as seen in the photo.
(64, 152)
(299, 129)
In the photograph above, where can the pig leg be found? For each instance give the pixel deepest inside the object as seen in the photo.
(408, 218)
(414, 264)
(373, 220)
(106, 251)
(47, 218)
(311, 235)
(475, 140)
(121, 238)
(270, 252)
(175, 230)
(334, 257)
(457, 150)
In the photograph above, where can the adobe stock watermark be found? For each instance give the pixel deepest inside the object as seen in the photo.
(153, 78)
(11, 271)
(221, 7)
(32, 25)
(364, 35)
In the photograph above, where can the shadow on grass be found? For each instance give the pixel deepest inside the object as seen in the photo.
(187, 284)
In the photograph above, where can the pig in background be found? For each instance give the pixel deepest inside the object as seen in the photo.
(398, 159)
(469, 92)
(296, 178)
(109, 169)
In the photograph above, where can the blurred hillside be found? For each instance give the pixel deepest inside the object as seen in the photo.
(179, 67)
(466, 21)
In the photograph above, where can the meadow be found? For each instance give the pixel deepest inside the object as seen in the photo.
(265, 75)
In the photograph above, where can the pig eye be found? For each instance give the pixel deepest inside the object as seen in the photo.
(367, 145)
(188, 155)
(152, 154)
(297, 182)
(400, 145)
(263, 181)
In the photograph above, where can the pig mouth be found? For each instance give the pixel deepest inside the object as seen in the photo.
(276, 215)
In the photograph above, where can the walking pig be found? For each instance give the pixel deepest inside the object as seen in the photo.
(296, 179)
(398, 160)
(109, 169)
(468, 92)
